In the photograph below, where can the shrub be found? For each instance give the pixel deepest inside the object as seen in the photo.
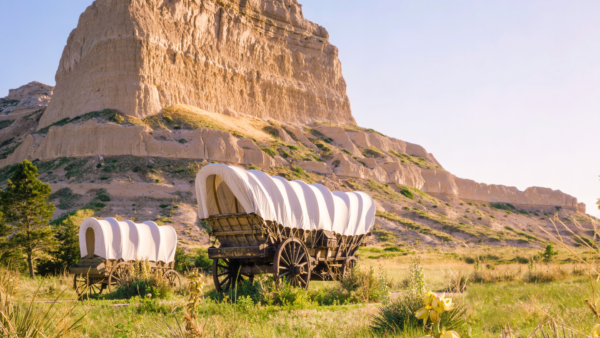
(549, 253)
(393, 248)
(503, 206)
(202, 261)
(366, 286)
(406, 192)
(183, 261)
(143, 284)
(104, 198)
(269, 152)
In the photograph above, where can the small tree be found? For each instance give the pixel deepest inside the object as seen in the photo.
(67, 252)
(27, 212)
(549, 253)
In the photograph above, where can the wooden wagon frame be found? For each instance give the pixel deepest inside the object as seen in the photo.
(250, 245)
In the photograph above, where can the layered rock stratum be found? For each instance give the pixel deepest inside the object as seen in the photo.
(256, 57)
(150, 91)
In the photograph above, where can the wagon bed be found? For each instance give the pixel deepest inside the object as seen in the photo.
(250, 245)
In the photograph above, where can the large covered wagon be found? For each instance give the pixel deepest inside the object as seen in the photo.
(111, 248)
(267, 224)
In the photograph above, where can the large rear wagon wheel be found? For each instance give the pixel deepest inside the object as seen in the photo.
(292, 264)
(226, 272)
(119, 275)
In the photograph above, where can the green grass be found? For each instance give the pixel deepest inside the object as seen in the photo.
(490, 307)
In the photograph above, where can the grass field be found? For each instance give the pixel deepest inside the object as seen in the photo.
(497, 297)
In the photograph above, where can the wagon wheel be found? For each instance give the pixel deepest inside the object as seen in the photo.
(172, 278)
(348, 266)
(292, 262)
(83, 284)
(119, 275)
(226, 272)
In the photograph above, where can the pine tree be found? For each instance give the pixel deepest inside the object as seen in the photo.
(66, 253)
(27, 213)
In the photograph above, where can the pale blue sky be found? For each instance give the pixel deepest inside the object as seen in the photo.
(500, 91)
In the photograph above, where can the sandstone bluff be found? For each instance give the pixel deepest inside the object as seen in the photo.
(149, 91)
(261, 58)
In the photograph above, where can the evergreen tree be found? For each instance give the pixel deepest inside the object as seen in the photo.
(28, 214)
(66, 253)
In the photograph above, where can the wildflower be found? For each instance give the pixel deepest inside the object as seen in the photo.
(441, 304)
(596, 331)
(449, 334)
(149, 295)
(434, 306)
(444, 334)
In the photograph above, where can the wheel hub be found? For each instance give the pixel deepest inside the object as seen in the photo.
(297, 270)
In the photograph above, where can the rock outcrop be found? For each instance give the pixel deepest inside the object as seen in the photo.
(110, 139)
(255, 57)
(25, 99)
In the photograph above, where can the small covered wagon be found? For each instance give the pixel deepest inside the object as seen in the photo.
(295, 231)
(110, 249)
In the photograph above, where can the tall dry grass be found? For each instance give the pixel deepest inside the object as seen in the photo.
(31, 319)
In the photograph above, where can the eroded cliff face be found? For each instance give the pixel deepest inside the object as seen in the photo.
(256, 57)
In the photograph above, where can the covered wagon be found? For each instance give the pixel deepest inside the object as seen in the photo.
(298, 232)
(110, 249)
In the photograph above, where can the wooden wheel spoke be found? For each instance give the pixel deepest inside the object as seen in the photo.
(285, 252)
(226, 287)
(286, 262)
(226, 278)
(302, 279)
(283, 274)
(300, 258)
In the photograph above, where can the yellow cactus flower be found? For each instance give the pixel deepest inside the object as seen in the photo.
(442, 304)
(596, 331)
(434, 316)
(449, 334)
(429, 298)
(422, 314)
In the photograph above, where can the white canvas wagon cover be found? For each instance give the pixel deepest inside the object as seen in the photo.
(112, 239)
(222, 189)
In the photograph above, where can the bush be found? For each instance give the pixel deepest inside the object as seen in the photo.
(202, 261)
(407, 193)
(503, 206)
(104, 198)
(366, 286)
(144, 284)
(183, 261)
